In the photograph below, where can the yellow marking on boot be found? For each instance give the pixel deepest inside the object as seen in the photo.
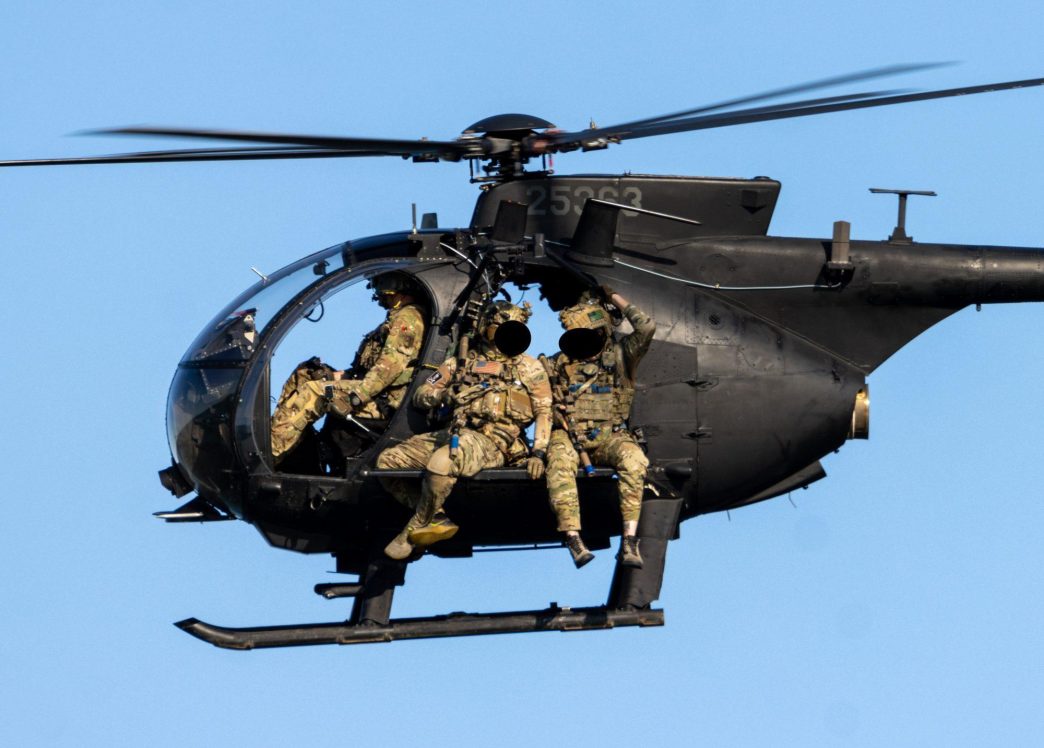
(433, 532)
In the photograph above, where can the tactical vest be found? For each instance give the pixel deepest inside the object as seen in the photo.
(370, 348)
(505, 400)
(595, 394)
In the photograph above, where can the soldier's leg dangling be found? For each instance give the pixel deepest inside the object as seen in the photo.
(562, 462)
(411, 454)
(631, 464)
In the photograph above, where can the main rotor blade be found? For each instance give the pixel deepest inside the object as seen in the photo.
(785, 111)
(572, 140)
(448, 149)
(836, 80)
(203, 154)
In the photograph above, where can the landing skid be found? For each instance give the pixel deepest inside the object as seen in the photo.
(631, 595)
(454, 624)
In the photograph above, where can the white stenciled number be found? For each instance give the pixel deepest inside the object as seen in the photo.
(583, 193)
(632, 196)
(559, 199)
(565, 199)
(537, 197)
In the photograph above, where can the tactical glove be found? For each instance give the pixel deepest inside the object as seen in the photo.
(465, 395)
(343, 401)
(535, 465)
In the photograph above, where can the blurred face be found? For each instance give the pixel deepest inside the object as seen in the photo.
(582, 343)
(510, 338)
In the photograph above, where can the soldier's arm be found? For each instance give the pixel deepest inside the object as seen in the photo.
(539, 386)
(433, 391)
(400, 350)
(550, 365)
(637, 342)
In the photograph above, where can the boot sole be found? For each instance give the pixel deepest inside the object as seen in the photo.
(423, 536)
(583, 560)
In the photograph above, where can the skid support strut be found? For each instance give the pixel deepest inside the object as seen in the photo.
(639, 588)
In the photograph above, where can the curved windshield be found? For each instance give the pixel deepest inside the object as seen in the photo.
(233, 333)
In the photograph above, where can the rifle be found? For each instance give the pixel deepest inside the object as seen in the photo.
(565, 420)
(470, 314)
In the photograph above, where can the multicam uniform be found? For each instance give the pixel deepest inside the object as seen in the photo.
(384, 364)
(592, 404)
(494, 398)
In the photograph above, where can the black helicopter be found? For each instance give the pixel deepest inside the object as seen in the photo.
(757, 371)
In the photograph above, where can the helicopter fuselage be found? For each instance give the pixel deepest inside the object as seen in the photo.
(758, 368)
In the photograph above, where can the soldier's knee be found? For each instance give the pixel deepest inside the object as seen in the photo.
(386, 459)
(440, 462)
(562, 455)
(634, 461)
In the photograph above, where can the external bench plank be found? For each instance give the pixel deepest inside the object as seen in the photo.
(489, 474)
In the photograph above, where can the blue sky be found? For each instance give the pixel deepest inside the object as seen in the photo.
(897, 602)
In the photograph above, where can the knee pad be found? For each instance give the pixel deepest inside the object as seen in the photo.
(440, 462)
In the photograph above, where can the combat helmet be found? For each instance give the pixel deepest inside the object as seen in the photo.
(588, 327)
(392, 283)
(505, 327)
(587, 313)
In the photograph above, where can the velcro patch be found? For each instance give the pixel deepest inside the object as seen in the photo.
(491, 368)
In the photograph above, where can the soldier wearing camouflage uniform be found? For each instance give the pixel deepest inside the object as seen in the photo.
(495, 392)
(593, 379)
(375, 384)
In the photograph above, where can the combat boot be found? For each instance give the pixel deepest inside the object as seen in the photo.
(578, 550)
(400, 548)
(629, 555)
(430, 524)
(441, 527)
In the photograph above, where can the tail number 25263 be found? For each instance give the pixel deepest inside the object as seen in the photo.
(563, 199)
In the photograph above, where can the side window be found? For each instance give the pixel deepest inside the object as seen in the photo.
(317, 372)
(331, 331)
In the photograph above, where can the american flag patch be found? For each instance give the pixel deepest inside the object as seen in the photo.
(492, 368)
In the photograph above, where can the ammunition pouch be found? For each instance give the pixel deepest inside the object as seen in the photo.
(519, 406)
(595, 407)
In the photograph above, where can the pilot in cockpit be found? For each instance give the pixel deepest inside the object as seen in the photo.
(372, 388)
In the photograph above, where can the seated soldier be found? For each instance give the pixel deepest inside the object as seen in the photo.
(375, 384)
(495, 392)
(593, 380)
